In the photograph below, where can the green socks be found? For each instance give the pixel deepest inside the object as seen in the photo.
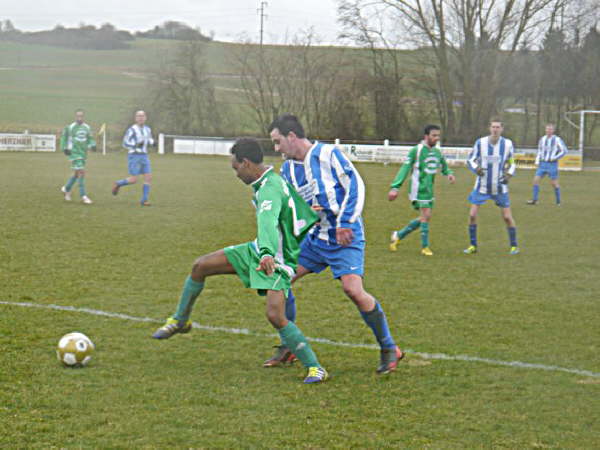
(82, 186)
(292, 338)
(191, 291)
(412, 226)
(70, 184)
(425, 234)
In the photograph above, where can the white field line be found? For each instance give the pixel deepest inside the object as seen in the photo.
(437, 356)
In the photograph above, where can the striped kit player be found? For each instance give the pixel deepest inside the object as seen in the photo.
(492, 161)
(551, 148)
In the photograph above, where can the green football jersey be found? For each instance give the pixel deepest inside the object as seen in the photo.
(283, 219)
(424, 162)
(78, 139)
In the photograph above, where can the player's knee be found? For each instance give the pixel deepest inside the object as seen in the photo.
(199, 268)
(276, 319)
(352, 291)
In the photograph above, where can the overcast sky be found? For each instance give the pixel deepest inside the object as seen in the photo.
(228, 19)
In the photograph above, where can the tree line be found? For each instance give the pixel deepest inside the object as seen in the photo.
(105, 37)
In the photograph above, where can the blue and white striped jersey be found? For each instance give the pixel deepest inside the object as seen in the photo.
(293, 172)
(338, 188)
(494, 160)
(136, 135)
(550, 149)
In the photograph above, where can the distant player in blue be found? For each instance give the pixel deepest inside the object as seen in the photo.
(335, 189)
(551, 148)
(492, 161)
(136, 140)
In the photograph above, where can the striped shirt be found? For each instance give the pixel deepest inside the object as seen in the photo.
(494, 160)
(338, 188)
(136, 135)
(293, 172)
(550, 149)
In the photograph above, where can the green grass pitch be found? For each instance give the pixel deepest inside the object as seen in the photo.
(208, 389)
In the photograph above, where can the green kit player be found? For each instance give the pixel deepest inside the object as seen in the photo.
(424, 161)
(75, 141)
(266, 264)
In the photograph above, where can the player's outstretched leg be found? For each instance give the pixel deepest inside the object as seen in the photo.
(212, 264)
(397, 236)
(283, 355)
(292, 338)
(374, 316)
(120, 183)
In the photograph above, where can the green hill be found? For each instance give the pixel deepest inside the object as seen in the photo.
(40, 86)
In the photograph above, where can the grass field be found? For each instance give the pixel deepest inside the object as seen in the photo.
(207, 389)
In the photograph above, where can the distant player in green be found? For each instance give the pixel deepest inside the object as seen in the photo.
(424, 160)
(266, 264)
(75, 141)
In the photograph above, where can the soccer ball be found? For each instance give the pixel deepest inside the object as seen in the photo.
(75, 349)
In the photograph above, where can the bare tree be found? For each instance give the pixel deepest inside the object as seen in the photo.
(467, 41)
(298, 78)
(184, 100)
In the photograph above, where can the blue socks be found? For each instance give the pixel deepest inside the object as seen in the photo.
(290, 307)
(412, 226)
(146, 192)
(512, 236)
(82, 186)
(378, 323)
(70, 183)
(536, 192)
(191, 291)
(473, 234)
(424, 234)
(122, 182)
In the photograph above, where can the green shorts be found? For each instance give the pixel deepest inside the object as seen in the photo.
(78, 164)
(244, 259)
(418, 204)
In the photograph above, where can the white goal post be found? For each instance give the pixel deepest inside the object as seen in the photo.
(25, 142)
(581, 127)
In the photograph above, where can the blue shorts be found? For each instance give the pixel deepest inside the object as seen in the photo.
(501, 200)
(341, 260)
(138, 164)
(547, 168)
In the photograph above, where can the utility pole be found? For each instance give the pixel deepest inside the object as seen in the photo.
(261, 11)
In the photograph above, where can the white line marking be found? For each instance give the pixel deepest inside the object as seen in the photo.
(438, 356)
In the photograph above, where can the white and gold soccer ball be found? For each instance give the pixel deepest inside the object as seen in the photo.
(75, 349)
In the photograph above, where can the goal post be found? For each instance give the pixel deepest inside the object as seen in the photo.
(581, 126)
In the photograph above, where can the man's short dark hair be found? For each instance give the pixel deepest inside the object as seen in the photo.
(287, 123)
(247, 148)
(430, 128)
